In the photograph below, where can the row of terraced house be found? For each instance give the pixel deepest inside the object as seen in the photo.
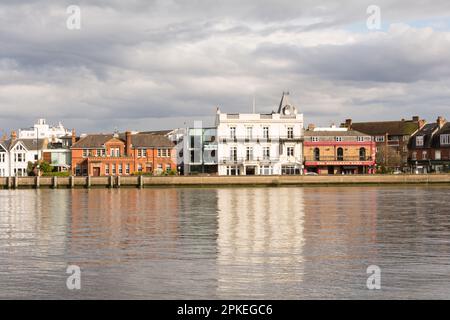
(275, 143)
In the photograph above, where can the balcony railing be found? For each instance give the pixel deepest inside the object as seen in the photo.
(259, 139)
(242, 160)
(338, 158)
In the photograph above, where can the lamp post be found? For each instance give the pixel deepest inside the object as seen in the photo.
(37, 152)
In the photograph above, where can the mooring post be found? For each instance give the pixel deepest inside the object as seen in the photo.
(16, 182)
(72, 182)
(141, 181)
(55, 182)
(88, 179)
(38, 184)
(118, 181)
(111, 181)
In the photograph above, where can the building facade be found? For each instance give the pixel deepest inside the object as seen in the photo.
(15, 154)
(199, 154)
(123, 154)
(391, 138)
(430, 148)
(260, 144)
(42, 130)
(338, 151)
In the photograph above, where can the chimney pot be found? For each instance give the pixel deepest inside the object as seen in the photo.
(13, 135)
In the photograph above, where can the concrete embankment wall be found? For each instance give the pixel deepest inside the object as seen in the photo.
(114, 182)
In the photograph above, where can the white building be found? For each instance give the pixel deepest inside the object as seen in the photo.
(42, 130)
(261, 144)
(16, 153)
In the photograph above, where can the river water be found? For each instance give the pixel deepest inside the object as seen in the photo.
(226, 243)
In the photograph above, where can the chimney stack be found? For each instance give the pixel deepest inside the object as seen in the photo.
(128, 143)
(74, 137)
(415, 118)
(440, 121)
(13, 135)
(311, 127)
(348, 123)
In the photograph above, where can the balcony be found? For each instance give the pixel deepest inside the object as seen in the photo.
(245, 160)
(260, 139)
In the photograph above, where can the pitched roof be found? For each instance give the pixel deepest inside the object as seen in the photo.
(138, 140)
(437, 137)
(427, 133)
(93, 141)
(143, 140)
(348, 133)
(396, 128)
(30, 144)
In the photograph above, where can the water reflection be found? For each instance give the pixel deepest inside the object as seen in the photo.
(260, 241)
(225, 243)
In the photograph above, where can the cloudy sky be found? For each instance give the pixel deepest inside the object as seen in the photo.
(155, 64)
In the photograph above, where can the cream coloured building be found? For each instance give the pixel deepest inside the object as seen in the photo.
(261, 144)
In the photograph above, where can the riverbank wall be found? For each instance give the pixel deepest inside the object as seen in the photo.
(204, 181)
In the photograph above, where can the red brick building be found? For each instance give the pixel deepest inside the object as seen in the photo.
(123, 154)
(338, 151)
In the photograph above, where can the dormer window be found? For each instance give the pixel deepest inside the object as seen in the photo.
(445, 139)
(419, 141)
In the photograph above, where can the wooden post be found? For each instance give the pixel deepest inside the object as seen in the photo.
(88, 180)
(8, 182)
(72, 182)
(118, 181)
(111, 182)
(55, 182)
(141, 181)
(16, 182)
(38, 182)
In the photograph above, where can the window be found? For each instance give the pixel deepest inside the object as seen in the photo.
(85, 153)
(163, 153)
(127, 168)
(266, 132)
(265, 170)
(249, 154)
(139, 167)
(290, 133)
(233, 132)
(340, 154)
(338, 139)
(424, 155)
(144, 153)
(113, 167)
(362, 154)
(266, 153)
(414, 155)
(233, 153)
(139, 153)
(103, 152)
(120, 169)
(314, 139)
(290, 151)
(437, 155)
(2, 157)
(168, 168)
(419, 141)
(360, 139)
(445, 139)
(249, 133)
(379, 139)
(107, 169)
(316, 154)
